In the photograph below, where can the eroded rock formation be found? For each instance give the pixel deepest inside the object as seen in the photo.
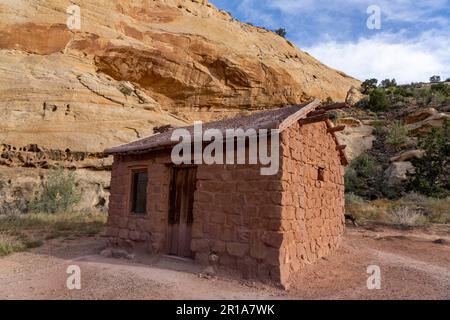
(136, 65)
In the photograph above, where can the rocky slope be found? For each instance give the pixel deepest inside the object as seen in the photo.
(384, 143)
(132, 66)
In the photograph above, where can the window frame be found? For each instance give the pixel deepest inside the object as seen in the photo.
(321, 174)
(131, 205)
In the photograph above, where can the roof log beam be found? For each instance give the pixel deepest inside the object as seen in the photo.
(334, 106)
(314, 119)
(335, 129)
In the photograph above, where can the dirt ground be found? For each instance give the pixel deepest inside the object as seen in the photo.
(412, 266)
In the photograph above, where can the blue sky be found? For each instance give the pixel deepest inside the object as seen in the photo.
(412, 44)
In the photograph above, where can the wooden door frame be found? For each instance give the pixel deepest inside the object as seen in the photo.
(169, 234)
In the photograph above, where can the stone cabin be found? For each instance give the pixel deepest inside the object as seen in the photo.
(228, 216)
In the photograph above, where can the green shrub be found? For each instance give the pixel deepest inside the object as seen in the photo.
(432, 171)
(281, 32)
(351, 198)
(397, 135)
(363, 103)
(59, 193)
(368, 85)
(438, 98)
(423, 96)
(9, 245)
(378, 100)
(364, 165)
(435, 78)
(351, 180)
(333, 116)
(442, 88)
(404, 91)
(439, 209)
(386, 83)
(126, 91)
(379, 127)
(358, 171)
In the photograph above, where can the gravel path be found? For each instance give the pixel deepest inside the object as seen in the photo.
(412, 267)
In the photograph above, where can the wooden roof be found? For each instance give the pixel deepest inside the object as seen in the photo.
(279, 119)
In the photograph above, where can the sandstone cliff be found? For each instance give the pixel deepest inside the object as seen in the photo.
(134, 65)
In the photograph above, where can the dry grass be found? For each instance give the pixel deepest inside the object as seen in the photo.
(412, 210)
(407, 217)
(20, 232)
(10, 244)
(362, 210)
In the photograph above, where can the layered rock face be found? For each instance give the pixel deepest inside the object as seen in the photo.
(135, 65)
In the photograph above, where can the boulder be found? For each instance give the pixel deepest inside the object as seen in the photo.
(423, 121)
(358, 137)
(354, 95)
(420, 115)
(407, 155)
(396, 173)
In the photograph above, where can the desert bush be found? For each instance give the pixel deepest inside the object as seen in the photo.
(351, 198)
(363, 103)
(356, 174)
(435, 78)
(379, 127)
(378, 100)
(407, 217)
(432, 171)
(414, 197)
(126, 91)
(281, 32)
(435, 210)
(351, 180)
(423, 96)
(438, 98)
(9, 244)
(368, 85)
(386, 83)
(441, 88)
(364, 165)
(397, 135)
(59, 193)
(333, 116)
(403, 91)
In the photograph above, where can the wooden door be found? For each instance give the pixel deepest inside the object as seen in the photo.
(182, 188)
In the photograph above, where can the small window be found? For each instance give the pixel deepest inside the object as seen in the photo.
(321, 174)
(139, 192)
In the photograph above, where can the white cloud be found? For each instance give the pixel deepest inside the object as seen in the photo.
(412, 45)
(397, 10)
(389, 56)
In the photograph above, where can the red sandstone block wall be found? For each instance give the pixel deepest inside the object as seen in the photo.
(236, 210)
(313, 210)
(263, 227)
(152, 227)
